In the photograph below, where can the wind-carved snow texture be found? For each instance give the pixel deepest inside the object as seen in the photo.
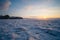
(29, 29)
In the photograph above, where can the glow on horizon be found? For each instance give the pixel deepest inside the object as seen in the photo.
(38, 9)
(40, 12)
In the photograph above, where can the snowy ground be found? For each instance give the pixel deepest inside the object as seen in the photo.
(29, 29)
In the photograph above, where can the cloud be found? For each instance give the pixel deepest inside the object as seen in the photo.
(4, 4)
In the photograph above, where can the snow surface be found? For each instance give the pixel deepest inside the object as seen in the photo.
(29, 29)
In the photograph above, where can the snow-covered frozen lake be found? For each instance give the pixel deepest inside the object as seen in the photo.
(29, 29)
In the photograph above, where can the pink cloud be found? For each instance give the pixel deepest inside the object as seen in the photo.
(5, 5)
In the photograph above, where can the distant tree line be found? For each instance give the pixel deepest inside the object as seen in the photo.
(8, 17)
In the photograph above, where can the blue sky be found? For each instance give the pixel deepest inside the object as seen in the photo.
(27, 8)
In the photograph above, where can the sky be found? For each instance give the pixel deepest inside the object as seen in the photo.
(34, 8)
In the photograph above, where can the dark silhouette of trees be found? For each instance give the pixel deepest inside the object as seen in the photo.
(4, 17)
(8, 17)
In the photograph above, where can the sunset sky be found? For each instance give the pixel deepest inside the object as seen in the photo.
(35, 8)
